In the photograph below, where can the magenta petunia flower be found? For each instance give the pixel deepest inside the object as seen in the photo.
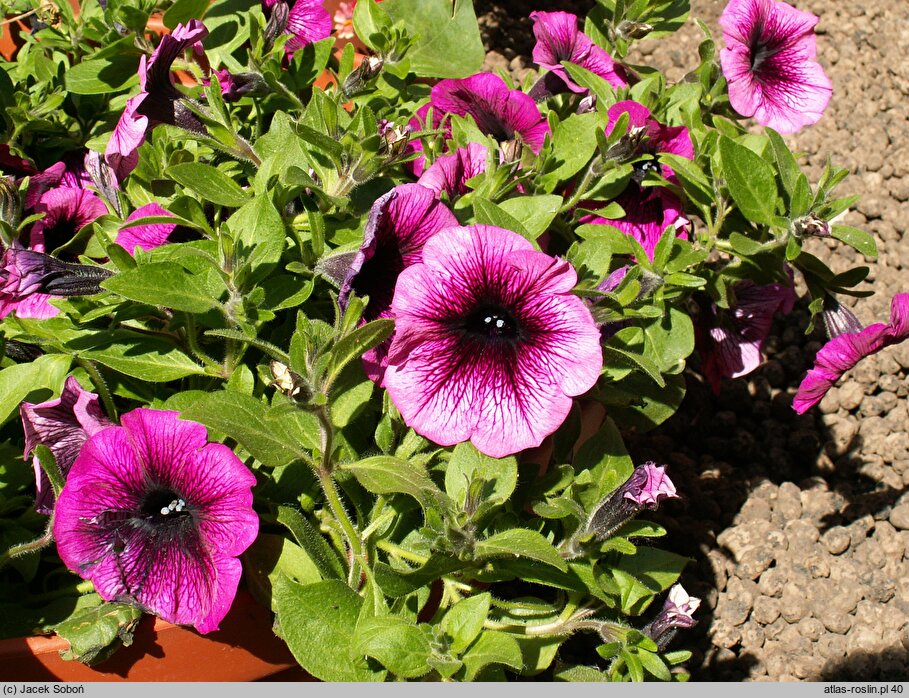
(449, 173)
(645, 489)
(399, 224)
(769, 64)
(730, 342)
(648, 212)
(558, 39)
(504, 114)
(63, 425)
(149, 236)
(307, 22)
(66, 210)
(69, 173)
(158, 101)
(490, 344)
(677, 612)
(844, 351)
(155, 515)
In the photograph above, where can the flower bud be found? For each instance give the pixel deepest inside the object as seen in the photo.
(358, 79)
(647, 486)
(289, 382)
(25, 272)
(677, 612)
(277, 22)
(629, 29)
(10, 203)
(838, 319)
(810, 225)
(587, 104)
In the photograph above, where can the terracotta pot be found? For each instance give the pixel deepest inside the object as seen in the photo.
(244, 649)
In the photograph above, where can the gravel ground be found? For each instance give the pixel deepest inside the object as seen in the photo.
(798, 526)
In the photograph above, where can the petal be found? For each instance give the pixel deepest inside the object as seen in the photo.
(450, 173)
(121, 153)
(309, 22)
(146, 237)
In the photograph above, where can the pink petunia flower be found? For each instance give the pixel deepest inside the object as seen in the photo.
(63, 425)
(398, 226)
(148, 236)
(844, 351)
(558, 39)
(490, 344)
(307, 22)
(155, 515)
(450, 173)
(730, 342)
(769, 64)
(158, 101)
(498, 111)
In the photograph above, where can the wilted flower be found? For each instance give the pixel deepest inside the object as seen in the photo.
(449, 173)
(769, 64)
(731, 341)
(63, 425)
(147, 236)
(677, 612)
(844, 351)
(158, 101)
(399, 224)
(645, 489)
(558, 39)
(490, 344)
(155, 515)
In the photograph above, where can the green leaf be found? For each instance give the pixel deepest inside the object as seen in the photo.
(492, 647)
(643, 575)
(94, 633)
(785, 161)
(208, 182)
(318, 623)
(520, 542)
(259, 232)
(387, 475)
(447, 38)
(184, 10)
(464, 621)
(168, 285)
(398, 644)
(139, 356)
(856, 238)
(607, 461)
(358, 342)
(113, 69)
(466, 465)
(397, 584)
(582, 674)
(534, 213)
(750, 180)
(46, 373)
(258, 428)
(573, 144)
(488, 213)
(654, 665)
(315, 545)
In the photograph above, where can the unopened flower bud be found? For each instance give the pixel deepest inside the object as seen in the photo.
(25, 272)
(289, 382)
(104, 179)
(10, 202)
(588, 104)
(396, 138)
(236, 86)
(628, 146)
(647, 486)
(629, 29)
(277, 22)
(359, 78)
(511, 150)
(810, 225)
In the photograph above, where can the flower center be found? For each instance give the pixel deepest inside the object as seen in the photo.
(162, 505)
(493, 322)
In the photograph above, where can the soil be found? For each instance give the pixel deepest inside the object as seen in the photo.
(797, 526)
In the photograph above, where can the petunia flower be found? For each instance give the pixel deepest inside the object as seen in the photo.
(648, 212)
(677, 612)
(29, 279)
(645, 489)
(730, 342)
(450, 173)
(498, 111)
(147, 236)
(63, 425)
(69, 173)
(66, 210)
(649, 137)
(307, 22)
(155, 515)
(490, 344)
(558, 39)
(769, 64)
(844, 351)
(158, 101)
(399, 224)
(12, 164)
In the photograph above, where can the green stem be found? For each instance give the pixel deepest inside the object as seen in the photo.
(593, 170)
(193, 341)
(400, 552)
(101, 386)
(32, 546)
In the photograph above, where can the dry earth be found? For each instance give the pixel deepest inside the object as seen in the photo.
(798, 526)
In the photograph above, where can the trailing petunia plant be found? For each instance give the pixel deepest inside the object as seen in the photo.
(361, 330)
